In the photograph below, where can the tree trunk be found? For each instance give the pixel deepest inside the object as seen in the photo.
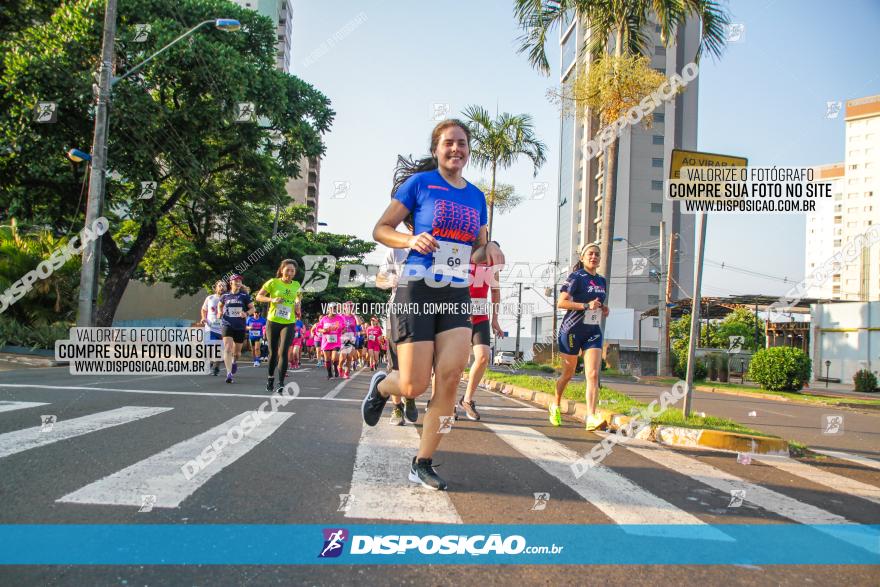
(608, 209)
(491, 212)
(121, 273)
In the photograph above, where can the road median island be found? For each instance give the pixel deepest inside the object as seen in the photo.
(620, 411)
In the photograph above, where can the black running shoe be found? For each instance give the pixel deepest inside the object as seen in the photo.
(270, 385)
(470, 408)
(335, 371)
(422, 471)
(374, 403)
(215, 370)
(410, 410)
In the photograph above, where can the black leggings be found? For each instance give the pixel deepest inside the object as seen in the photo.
(279, 336)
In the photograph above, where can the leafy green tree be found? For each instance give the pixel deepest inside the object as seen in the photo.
(174, 123)
(499, 142)
(740, 322)
(503, 198)
(51, 299)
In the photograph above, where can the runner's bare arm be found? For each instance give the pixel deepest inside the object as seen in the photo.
(566, 303)
(386, 231)
(486, 252)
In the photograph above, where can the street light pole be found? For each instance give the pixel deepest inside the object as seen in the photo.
(695, 314)
(518, 316)
(91, 260)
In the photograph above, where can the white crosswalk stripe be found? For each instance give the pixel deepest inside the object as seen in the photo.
(845, 456)
(822, 477)
(379, 485)
(28, 438)
(770, 500)
(161, 475)
(615, 496)
(9, 406)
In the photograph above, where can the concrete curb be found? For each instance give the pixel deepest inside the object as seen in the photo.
(669, 435)
(779, 398)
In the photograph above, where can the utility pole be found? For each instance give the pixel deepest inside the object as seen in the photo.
(555, 312)
(91, 260)
(665, 297)
(695, 313)
(661, 307)
(518, 317)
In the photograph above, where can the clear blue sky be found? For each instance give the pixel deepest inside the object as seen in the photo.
(764, 99)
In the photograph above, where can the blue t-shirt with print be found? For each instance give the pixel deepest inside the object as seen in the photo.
(453, 216)
(583, 288)
(258, 325)
(233, 305)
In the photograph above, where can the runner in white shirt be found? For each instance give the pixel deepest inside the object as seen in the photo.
(211, 320)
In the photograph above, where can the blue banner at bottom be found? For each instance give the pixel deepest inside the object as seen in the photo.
(353, 544)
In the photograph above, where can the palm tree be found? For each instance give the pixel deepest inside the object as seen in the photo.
(624, 21)
(499, 143)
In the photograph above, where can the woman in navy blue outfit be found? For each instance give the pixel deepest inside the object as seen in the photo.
(583, 298)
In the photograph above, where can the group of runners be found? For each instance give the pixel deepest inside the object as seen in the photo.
(439, 256)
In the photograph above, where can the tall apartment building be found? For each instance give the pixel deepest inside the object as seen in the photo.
(854, 209)
(643, 163)
(304, 189)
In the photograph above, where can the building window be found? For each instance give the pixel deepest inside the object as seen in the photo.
(837, 242)
(659, 117)
(656, 28)
(853, 167)
(655, 322)
(655, 231)
(657, 162)
(657, 184)
(657, 139)
(657, 208)
(660, 50)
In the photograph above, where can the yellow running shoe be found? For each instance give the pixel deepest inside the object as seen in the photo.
(555, 415)
(595, 421)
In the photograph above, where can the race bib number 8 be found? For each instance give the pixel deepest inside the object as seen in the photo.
(282, 311)
(452, 259)
(592, 316)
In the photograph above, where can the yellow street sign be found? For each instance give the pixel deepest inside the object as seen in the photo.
(682, 158)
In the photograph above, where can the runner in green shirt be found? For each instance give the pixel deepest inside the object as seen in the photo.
(282, 293)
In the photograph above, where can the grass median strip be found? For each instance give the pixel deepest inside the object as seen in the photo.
(621, 403)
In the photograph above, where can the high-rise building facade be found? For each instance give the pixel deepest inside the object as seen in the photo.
(643, 162)
(304, 189)
(854, 209)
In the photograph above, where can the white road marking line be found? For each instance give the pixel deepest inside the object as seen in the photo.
(8, 406)
(822, 477)
(770, 500)
(380, 488)
(221, 394)
(335, 391)
(28, 438)
(126, 380)
(845, 456)
(614, 495)
(161, 474)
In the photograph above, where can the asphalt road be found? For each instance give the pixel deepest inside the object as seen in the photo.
(116, 439)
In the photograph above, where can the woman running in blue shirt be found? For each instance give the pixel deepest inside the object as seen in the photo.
(449, 218)
(583, 298)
